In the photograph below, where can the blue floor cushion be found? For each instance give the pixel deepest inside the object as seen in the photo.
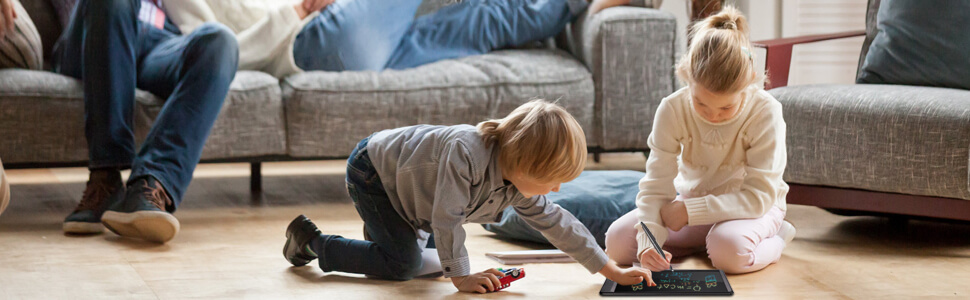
(596, 198)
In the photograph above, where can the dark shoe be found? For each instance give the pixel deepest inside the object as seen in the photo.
(144, 214)
(104, 188)
(298, 236)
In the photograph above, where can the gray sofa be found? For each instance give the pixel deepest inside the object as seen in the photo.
(894, 150)
(610, 71)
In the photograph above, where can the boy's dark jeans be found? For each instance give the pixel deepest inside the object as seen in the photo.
(393, 252)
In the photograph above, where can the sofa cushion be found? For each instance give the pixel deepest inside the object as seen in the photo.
(920, 43)
(888, 138)
(327, 113)
(595, 198)
(42, 118)
(250, 123)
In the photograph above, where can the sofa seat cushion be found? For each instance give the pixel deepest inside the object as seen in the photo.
(888, 138)
(250, 123)
(327, 113)
(42, 118)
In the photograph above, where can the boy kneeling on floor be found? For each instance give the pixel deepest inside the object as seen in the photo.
(414, 182)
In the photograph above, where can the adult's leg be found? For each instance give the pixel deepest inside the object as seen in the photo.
(478, 26)
(354, 35)
(100, 46)
(742, 246)
(193, 73)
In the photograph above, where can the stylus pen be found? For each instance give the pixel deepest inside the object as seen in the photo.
(653, 240)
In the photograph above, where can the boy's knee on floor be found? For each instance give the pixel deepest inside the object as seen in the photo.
(406, 270)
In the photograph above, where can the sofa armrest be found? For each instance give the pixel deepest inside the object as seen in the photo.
(631, 53)
(778, 54)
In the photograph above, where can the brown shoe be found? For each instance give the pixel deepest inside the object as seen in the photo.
(104, 188)
(144, 214)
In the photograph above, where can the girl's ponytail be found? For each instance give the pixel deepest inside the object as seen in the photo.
(719, 55)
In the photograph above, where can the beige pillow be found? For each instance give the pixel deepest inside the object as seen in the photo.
(21, 48)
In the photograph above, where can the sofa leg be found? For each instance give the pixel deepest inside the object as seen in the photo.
(255, 177)
(898, 223)
(596, 157)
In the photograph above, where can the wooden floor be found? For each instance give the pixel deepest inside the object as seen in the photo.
(230, 247)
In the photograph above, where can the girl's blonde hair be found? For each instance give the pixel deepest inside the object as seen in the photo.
(539, 139)
(719, 56)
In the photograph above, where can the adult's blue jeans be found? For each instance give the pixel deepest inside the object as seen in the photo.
(393, 251)
(383, 34)
(112, 53)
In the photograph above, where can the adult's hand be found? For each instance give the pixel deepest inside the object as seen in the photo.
(7, 16)
(309, 6)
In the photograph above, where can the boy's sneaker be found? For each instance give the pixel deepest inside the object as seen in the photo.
(298, 236)
(104, 188)
(787, 232)
(144, 213)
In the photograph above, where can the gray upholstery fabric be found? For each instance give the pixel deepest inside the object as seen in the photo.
(900, 139)
(631, 52)
(42, 117)
(249, 125)
(328, 113)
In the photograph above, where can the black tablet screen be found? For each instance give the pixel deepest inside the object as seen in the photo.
(687, 282)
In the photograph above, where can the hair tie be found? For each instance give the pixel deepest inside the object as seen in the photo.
(745, 49)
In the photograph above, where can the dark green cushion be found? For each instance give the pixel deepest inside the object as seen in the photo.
(923, 43)
(596, 198)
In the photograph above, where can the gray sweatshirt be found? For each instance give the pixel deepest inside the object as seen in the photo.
(440, 177)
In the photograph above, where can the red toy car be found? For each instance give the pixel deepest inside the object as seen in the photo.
(511, 275)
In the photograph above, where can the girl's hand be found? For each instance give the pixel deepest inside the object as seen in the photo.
(484, 282)
(629, 276)
(674, 215)
(650, 259)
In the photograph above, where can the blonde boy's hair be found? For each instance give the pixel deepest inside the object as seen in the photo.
(719, 56)
(539, 139)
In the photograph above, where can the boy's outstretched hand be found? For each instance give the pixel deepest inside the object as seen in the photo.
(484, 282)
(629, 276)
